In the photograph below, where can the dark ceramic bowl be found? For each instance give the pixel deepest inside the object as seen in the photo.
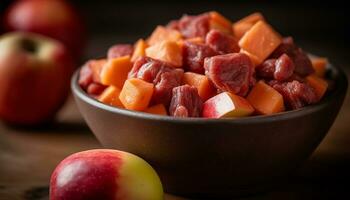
(216, 157)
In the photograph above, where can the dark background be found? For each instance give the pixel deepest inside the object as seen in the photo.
(320, 28)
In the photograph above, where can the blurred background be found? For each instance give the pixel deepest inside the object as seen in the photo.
(321, 27)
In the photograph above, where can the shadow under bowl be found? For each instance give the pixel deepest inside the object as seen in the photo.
(199, 157)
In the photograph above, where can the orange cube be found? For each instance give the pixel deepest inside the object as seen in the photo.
(110, 96)
(261, 40)
(180, 43)
(319, 85)
(201, 82)
(265, 99)
(319, 65)
(96, 68)
(242, 26)
(158, 109)
(136, 94)
(240, 29)
(196, 40)
(219, 22)
(139, 50)
(115, 71)
(256, 61)
(166, 51)
(161, 34)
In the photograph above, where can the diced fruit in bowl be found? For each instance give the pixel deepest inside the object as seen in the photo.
(319, 65)
(111, 96)
(242, 26)
(226, 105)
(163, 75)
(90, 77)
(116, 70)
(136, 94)
(96, 68)
(105, 174)
(139, 50)
(158, 109)
(261, 40)
(34, 78)
(162, 33)
(219, 22)
(265, 99)
(192, 66)
(318, 84)
(201, 82)
(167, 51)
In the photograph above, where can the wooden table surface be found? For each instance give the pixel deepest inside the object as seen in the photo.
(27, 158)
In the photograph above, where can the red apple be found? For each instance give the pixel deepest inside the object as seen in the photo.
(53, 18)
(105, 174)
(34, 77)
(225, 105)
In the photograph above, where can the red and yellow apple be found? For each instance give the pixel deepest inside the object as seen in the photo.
(225, 105)
(35, 73)
(53, 18)
(105, 174)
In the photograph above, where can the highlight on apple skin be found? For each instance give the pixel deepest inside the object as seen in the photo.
(105, 174)
(35, 73)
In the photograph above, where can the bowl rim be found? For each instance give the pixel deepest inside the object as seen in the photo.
(340, 82)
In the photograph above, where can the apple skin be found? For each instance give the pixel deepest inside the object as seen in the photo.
(53, 18)
(105, 174)
(35, 74)
(226, 105)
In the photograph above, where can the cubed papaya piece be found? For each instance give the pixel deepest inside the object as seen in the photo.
(252, 18)
(139, 49)
(158, 109)
(180, 43)
(136, 94)
(319, 84)
(319, 64)
(110, 96)
(166, 51)
(115, 71)
(265, 99)
(256, 61)
(219, 22)
(261, 40)
(201, 82)
(243, 25)
(240, 29)
(161, 34)
(96, 68)
(195, 40)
